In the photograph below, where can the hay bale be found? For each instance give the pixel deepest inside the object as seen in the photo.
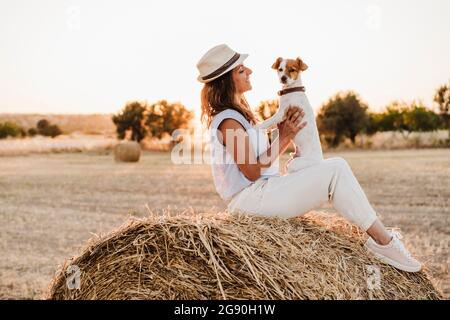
(222, 256)
(127, 151)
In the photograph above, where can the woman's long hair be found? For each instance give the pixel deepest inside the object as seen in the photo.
(218, 95)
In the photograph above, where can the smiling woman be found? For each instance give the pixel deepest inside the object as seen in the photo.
(249, 179)
(228, 83)
(241, 78)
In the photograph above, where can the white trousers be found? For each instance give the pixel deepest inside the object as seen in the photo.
(298, 192)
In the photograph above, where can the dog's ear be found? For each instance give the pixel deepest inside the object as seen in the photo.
(277, 63)
(302, 66)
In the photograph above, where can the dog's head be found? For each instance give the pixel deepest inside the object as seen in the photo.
(289, 69)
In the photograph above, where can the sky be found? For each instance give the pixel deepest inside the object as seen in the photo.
(59, 56)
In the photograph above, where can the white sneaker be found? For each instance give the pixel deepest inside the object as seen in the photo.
(394, 254)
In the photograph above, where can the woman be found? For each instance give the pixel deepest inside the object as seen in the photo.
(245, 165)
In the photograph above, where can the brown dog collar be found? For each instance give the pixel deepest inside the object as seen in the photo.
(290, 90)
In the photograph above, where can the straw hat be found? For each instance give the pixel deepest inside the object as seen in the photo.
(218, 61)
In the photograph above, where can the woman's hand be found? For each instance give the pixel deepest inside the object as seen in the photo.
(289, 127)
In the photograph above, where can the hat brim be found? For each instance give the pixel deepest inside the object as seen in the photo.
(239, 61)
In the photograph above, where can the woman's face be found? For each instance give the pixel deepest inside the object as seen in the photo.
(241, 79)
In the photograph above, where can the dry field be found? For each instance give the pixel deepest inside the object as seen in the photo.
(61, 144)
(69, 123)
(50, 204)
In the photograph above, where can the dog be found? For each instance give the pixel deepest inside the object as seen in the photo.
(307, 141)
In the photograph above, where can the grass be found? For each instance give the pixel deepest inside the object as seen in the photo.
(50, 204)
(60, 144)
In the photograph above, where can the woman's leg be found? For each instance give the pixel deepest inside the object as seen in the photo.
(332, 180)
(299, 192)
(378, 232)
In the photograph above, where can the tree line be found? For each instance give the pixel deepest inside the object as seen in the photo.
(345, 115)
(43, 128)
(141, 119)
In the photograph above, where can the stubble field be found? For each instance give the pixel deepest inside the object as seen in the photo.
(50, 204)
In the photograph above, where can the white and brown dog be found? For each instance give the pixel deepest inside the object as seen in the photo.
(307, 141)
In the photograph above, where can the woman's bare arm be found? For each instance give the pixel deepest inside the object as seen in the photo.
(237, 143)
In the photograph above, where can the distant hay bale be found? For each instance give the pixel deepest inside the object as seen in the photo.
(223, 256)
(127, 151)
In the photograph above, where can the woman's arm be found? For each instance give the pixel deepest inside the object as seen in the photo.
(238, 143)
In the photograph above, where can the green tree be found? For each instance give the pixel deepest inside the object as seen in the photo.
(44, 128)
(406, 118)
(392, 118)
(32, 132)
(51, 131)
(373, 123)
(9, 129)
(163, 117)
(419, 118)
(343, 115)
(42, 125)
(131, 117)
(442, 98)
(266, 109)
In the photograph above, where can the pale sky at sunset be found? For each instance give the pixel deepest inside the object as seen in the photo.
(92, 56)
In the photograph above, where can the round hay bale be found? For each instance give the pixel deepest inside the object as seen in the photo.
(127, 151)
(223, 256)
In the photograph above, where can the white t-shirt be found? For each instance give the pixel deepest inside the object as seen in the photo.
(228, 179)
